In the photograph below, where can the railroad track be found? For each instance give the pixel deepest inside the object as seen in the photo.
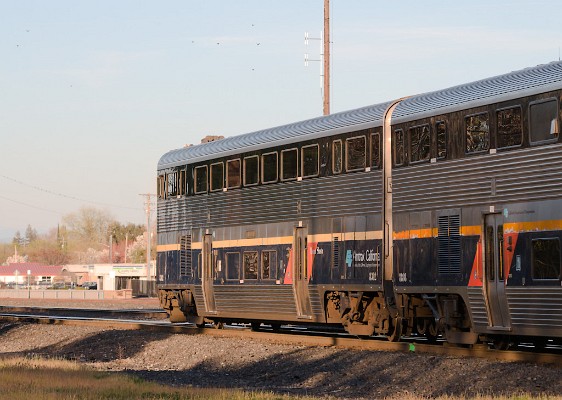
(287, 335)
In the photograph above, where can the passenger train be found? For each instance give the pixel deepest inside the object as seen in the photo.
(438, 214)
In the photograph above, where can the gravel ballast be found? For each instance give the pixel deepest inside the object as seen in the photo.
(207, 361)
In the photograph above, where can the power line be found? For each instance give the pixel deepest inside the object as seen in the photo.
(29, 205)
(63, 195)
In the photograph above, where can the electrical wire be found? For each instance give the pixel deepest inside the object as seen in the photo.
(29, 205)
(62, 195)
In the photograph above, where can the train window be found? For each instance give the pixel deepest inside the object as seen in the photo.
(310, 161)
(289, 164)
(398, 147)
(233, 266)
(269, 167)
(160, 186)
(546, 258)
(171, 184)
(268, 264)
(509, 128)
(490, 252)
(420, 142)
(337, 155)
(250, 265)
(355, 153)
(201, 179)
(441, 130)
(543, 120)
(233, 173)
(182, 183)
(376, 150)
(477, 133)
(251, 171)
(217, 176)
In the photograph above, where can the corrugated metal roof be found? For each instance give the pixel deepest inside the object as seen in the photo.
(532, 80)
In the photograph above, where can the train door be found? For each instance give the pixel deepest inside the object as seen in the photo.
(208, 274)
(300, 273)
(495, 271)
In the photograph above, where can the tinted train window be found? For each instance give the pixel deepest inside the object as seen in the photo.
(171, 185)
(355, 153)
(251, 170)
(509, 128)
(269, 167)
(376, 150)
(160, 187)
(289, 164)
(268, 263)
(182, 184)
(477, 133)
(441, 130)
(201, 179)
(420, 142)
(250, 264)
(217, 176)
(546, 258)
(310, 161)
(337, 157)
(398, 147)
(541, 116)
(233, 266)
(233, 173)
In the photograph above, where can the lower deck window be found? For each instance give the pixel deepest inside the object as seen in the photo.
(546, 258)
(268, 263)
(250, 265)
(233, 266)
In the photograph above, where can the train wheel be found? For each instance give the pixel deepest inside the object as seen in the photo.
(275, 327)
(501, 342)
(397, 330)
(255, 326)
(431, 333)
(218, 324)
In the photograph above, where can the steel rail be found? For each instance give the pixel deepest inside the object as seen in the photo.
(300, 337)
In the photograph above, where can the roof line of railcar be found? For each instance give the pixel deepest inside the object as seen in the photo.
(500, 88)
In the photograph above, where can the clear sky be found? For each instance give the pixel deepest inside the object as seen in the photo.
(92, 93)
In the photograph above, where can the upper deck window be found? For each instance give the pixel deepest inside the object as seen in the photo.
(398, 147)
(233, 173)
(376, 150)
(420, 142)
(310, 161)
(201, 179)
(251, 170)
(337, 155)
(441, 130)
(182, 184)
(289, 164)
(171, 184)
(217, 176)
(356, 150)
(269, 167)
(509, 128)
(161, 186)
(541, 116)
(477, 133)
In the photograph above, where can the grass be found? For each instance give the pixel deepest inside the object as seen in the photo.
(42, 379)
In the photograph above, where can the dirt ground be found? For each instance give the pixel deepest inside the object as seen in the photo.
(204, 361)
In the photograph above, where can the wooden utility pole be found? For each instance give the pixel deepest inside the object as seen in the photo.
(326, 57)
